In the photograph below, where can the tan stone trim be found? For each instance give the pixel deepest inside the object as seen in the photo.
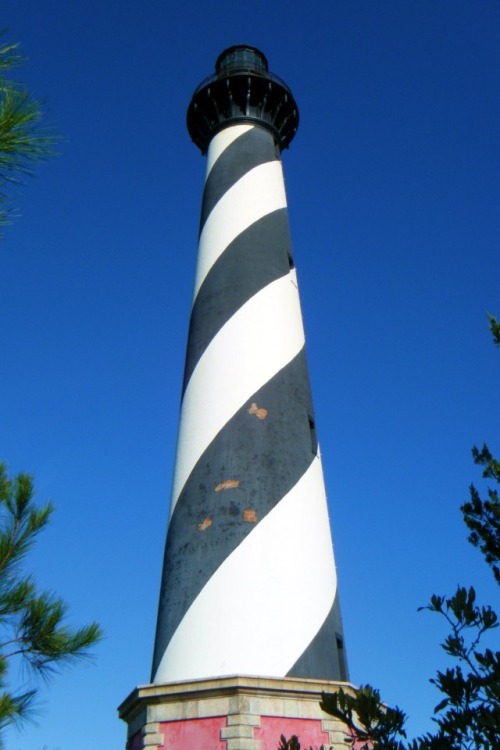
(336, 733)
(238, 730)
(294, 688)
(241, 700)
(248, 719)
(243, 744)
(151, 736)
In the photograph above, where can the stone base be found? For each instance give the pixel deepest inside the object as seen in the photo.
(231, 713)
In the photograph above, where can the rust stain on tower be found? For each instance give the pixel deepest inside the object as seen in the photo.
(227, 484)
(259, 412)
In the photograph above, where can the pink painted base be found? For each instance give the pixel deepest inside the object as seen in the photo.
(205, 733)
(308, 731)
(194, 733)
(231, 713)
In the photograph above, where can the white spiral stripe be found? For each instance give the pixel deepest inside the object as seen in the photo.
(222, 140)
(245, 620)
(259, 340)
(258, 193)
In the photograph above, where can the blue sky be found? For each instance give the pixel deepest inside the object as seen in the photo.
(393, 190)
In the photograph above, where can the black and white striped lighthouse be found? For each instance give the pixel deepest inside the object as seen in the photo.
(249, 631)
(249, 583)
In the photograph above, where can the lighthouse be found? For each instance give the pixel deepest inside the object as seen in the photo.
(249, 630)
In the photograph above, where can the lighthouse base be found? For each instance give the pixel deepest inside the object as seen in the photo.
(231, 713)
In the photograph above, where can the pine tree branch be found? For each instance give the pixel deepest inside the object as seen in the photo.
(33, 623)
(24, 142)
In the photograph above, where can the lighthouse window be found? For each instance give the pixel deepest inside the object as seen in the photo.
(291, 263)
(342, 664)
(314, 437)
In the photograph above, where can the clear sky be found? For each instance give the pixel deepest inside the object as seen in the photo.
(393, 185)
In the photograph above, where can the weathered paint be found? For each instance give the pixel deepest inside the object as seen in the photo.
(250, 713)
(308, 731)
(248, 487)
(194, 734)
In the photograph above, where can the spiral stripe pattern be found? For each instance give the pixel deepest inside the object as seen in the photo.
(248, 539)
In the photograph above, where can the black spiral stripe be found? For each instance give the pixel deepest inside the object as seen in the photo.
(248, 151)
(251, 451)
(263, 450)
(250, 262)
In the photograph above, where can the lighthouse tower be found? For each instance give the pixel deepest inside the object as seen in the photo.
(249, 629)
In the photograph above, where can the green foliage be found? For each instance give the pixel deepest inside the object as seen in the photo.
(23, 142)
(495, 329)
(368, 720)
(468, 715)
(294, 744)
(483, 516)
(32, 623)
(32, 626)
(291, 744)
